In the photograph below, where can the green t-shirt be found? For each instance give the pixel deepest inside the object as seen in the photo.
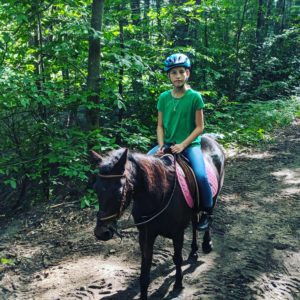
(178, 115)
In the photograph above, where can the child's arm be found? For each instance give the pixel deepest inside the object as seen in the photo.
(160, 131)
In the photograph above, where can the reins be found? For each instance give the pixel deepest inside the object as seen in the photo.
(159, 213)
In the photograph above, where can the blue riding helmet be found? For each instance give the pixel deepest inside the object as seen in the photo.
(177, 60)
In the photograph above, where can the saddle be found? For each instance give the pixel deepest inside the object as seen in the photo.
(185, 177)
(189, 180)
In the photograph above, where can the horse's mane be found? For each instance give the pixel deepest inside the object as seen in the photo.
(158, 173)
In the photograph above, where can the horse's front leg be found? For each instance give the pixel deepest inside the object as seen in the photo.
(207, 244)
(146, 245)
(177, 258)
(194, 245)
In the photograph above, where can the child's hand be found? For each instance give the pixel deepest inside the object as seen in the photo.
(177, 148)
(160, 150)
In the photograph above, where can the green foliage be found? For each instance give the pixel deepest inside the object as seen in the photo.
(11, 182)
(89, 200)
(278, 66)
(251, 123)
(133, 134)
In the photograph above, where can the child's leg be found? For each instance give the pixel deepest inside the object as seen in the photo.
(195, 156)
(153, 150)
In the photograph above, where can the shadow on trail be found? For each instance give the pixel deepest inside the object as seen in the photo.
(163, 291)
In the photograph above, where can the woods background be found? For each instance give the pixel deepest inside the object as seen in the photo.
(76, 75)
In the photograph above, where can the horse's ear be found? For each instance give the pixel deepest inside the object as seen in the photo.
(120, 165)
(97, 158)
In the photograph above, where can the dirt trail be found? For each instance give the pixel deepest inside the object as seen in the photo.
(256, 237)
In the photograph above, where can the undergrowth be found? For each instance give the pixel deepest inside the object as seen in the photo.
(248, 124)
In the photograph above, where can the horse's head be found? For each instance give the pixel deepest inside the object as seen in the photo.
(111, 188)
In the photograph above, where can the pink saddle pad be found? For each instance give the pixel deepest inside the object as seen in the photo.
(212, 179)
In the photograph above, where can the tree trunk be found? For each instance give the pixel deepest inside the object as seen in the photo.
(146, 23)
(137, 86)
(236, 74)
(260, 23)
(93, 78)
(159, 26)
(205, 47)
(121, 70)
(268, 17)
(280, 16)
(289, 5)
(283, 16)
(43, 113)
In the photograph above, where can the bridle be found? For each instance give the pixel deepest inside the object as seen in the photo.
(123, 195)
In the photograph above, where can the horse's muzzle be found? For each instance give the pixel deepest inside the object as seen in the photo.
(104, 231)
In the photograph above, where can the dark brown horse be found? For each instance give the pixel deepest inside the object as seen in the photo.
(158, 207)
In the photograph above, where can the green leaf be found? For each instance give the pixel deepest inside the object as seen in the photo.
(7, 261)
(11, 182)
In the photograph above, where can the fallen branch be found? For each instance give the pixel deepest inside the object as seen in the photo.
(67, 204)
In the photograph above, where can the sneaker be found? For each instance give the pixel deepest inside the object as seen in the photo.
(204, 222)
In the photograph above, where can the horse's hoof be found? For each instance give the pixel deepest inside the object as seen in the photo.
(193, 256)
(207, 247)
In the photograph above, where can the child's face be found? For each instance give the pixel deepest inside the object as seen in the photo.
(179, 76)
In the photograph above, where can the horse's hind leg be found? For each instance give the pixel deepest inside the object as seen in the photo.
(146, 245)
(207, 244)
(177, 259)
(194, 245)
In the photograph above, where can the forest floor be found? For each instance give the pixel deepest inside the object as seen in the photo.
(256, 236)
